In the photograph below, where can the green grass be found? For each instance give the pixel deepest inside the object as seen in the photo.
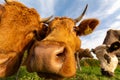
(93, 73)
(90, 71)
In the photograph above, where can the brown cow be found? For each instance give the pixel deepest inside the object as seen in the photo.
(18, 26)
(54, 56)
(84, 53)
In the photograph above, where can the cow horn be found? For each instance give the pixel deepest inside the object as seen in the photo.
(9, 1)
(45, 20)
(81, 16)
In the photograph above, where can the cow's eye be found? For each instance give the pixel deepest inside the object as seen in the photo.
(114, 46)
(45, 27)
(45, 31)
(76, 29)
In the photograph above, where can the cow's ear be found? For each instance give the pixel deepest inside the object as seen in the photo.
(114, 46)
(87, 26)
(2, 9)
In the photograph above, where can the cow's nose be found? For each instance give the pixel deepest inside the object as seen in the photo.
(106, 73)
(49, 57)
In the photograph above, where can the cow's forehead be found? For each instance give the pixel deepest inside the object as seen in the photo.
(20, 14)
(62, 22)
(100, 48)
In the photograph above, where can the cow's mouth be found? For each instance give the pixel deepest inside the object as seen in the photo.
(106, 73)
(49, 76)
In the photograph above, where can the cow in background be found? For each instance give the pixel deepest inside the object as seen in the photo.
(82, 53)
(54, 56)
(112, 38)
(19, 26)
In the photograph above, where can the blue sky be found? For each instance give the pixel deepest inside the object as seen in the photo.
(107, 11)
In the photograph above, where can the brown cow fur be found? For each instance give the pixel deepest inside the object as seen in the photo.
(17, 26)
(62, 34)
(111, 36)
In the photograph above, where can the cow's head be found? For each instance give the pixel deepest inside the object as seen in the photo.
(107, 57)
(18, 26)
(54, 56)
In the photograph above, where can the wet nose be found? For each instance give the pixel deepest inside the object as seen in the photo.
(106, 73)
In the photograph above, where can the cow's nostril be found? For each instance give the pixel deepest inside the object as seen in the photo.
(60, 54)
(60, 57)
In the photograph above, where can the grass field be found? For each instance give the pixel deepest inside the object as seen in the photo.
(90, 71)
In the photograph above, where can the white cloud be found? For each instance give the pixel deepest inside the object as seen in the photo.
(115, 25)
(44, 7)
(114, 7)
(47, 7)
(93, 40)
(118, 17)
(1, 1)
(106, 9)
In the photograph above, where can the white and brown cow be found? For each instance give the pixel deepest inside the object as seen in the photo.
(106, 54)
(112, 36)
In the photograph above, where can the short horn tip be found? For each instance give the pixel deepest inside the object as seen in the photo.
(46, 19)
(9, 1)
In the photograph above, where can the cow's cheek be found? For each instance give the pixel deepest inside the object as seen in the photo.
(11, 65)
(31, 63)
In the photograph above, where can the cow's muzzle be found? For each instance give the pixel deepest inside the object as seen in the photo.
(47, 57)
(106, 73)
(53, 58)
